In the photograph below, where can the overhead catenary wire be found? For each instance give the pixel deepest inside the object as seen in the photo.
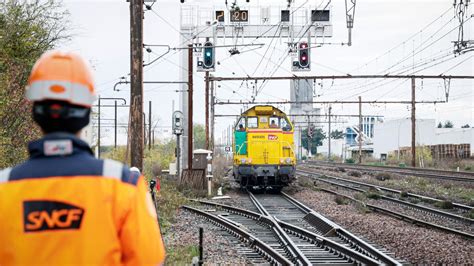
(402, 43)
(415, 50)
(458, 64)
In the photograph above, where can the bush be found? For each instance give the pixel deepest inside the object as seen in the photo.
(341, 200)
(468, 168)
(383, 176)
(445, 204)
(362, 208)
(470, 214)
(373, 194)
(350, 160)
(355, 173)
(403, 194)
(414, 200)
(341, 169)
(181, 255)
(306, 182)
(360, 196)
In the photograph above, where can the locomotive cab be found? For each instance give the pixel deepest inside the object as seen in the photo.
(264, 148)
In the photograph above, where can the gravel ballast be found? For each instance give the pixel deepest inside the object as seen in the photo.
(219, 246)
(414, 244)
(442, 189)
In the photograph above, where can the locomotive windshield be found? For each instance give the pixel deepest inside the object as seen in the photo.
(279, 122)
(285, 125)
(252, 122)
(241, 125)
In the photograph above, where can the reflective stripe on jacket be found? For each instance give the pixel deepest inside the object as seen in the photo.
(63, 206)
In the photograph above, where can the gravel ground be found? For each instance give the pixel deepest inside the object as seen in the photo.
(440, 220)
(414, 244)
(415, 213)
(238, 199)
(218, 246)
(436, 188)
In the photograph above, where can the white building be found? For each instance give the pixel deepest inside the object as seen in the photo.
(391, 135)
(338, 147)
(455, 136)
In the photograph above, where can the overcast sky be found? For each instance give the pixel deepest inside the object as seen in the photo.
(101, 35)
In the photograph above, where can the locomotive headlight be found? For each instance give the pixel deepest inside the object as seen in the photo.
(243, 161)
(249, 160)
(282, 160)
(288, 160)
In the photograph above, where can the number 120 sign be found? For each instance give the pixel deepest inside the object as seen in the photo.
(239, 16)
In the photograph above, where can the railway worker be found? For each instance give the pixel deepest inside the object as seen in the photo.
(241, 127)
(63, 206)
(273, 124)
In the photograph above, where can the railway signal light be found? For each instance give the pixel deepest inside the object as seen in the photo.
(310, 132)
(178, 122)
(209, 56)
(303, 55)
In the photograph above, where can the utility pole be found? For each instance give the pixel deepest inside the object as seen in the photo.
(309, 136)
(98, 131)
(115, 124)
(206, 87)
(329, 135)
(190, 108)
(149, 125)
(229, 135)
(360, 129)
(178, 158)
(413, 124)
(145, 139)
(136, 81)
(212, 116)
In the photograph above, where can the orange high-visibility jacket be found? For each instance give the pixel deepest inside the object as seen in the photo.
(63, 206)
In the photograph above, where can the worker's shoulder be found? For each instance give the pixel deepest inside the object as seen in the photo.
(69, 167)
(119, 171)
(5, 174)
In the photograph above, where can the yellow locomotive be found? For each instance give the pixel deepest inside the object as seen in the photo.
(263, 146)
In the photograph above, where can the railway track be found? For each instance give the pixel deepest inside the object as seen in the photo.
(295, 232)
(390, 197)
(425, 172)
(462, 207)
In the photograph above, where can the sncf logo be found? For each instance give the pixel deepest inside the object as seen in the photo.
(272, 137)
(42, 215)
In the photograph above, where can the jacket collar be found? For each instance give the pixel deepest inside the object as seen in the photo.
(58, 144)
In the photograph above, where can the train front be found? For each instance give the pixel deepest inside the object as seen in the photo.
(264, 149)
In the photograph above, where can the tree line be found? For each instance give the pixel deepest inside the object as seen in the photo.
(28, 28)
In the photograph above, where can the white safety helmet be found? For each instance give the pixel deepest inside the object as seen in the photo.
(134, 169)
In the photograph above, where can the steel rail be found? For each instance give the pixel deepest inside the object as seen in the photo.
(455, 204)
(328, 243)
(448, 175)
(402, 216)
(401, 202)
(320, 239)
(292, 248)
(248, 238)
(343, 233)
(432, 170)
